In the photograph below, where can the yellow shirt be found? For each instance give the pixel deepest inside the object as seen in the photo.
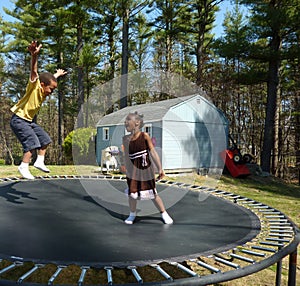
(29, 105)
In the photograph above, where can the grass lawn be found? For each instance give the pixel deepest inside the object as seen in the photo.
(268, 190)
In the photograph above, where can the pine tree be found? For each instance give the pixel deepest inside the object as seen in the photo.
(272, 22)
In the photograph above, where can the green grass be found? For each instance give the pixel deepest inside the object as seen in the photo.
(268, 190)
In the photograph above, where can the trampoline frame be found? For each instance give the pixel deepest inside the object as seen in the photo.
(281, 239)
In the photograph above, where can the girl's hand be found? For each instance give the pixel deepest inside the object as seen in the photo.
(161, 175)
(34, 48)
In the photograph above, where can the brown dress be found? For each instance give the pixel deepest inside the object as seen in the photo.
(139, 168)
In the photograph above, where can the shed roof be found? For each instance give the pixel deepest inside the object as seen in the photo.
(152, 111)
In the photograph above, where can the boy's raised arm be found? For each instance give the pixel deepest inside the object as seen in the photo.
(60, 72)
(34, 49)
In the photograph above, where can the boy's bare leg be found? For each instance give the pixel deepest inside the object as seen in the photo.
(27, 157)
(42, 151)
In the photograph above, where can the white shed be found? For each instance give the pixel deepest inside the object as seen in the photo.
(189, 132)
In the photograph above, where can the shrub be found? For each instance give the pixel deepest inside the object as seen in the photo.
(79, 145)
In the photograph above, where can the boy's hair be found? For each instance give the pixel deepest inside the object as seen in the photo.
(139, 117)
(47, 77)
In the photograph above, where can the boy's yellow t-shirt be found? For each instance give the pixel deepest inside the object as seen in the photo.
(28, 106)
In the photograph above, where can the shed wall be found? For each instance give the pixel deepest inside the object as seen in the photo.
(195, 133)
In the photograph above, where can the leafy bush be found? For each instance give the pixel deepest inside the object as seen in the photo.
(79, 145)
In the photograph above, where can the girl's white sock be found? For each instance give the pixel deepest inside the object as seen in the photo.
(131, 218)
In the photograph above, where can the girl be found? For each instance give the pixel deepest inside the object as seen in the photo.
(139, 156)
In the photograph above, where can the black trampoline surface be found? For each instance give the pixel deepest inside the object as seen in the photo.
(57, 221)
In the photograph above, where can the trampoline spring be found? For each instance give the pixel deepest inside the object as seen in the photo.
(268, 211)
(271, 243)
(108, 270)
(231, 196)
(57, 272)
(218, 192)
(271, 212)
(286, 228)
(162, 272)
(254, 253)
(280, 234)
(226, 262)
(7, 179)
(185, 185)
(212, 190)
(31, 271)
(274, 216)
(10, 267)
(256, 205)
(235, 197)
(241, 199)
(264, 208)
(279, 224)
(84, 269)
(281, 231)
(136, 274)
(185, 269)
(207, 266)
(278, 221)
(228, 194)
(264, 248)
(198, 187)
(247, 201)
(277, 239)
(243, 258)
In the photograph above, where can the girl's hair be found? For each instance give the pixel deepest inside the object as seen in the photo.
(47, 77)
(139, 117)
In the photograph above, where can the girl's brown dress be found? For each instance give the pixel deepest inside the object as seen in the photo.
(140, 173)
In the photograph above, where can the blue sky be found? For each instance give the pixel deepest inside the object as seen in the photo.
(224, 6)
(5, 3)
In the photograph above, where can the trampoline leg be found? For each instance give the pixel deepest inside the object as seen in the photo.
(292, 269)
(278, 273)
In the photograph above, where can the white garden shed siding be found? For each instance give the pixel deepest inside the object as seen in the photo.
(190, 131)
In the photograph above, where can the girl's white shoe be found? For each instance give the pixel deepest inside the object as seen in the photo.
(166, 218)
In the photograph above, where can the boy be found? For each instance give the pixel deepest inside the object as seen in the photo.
(23, 124)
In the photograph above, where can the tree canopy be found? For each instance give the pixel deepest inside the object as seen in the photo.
(250, 72)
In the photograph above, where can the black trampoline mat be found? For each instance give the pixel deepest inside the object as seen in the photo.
(57, 221)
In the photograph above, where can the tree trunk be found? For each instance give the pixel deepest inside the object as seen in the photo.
(124, 68)
(297, 133)
(80, 79)
(272, 86)
(60, 115)
(277, 142)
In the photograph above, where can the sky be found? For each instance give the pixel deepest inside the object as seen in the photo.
(224, 6)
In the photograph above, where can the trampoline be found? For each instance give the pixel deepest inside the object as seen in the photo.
(54, 220)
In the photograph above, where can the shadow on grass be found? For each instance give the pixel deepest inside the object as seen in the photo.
(266, 184)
